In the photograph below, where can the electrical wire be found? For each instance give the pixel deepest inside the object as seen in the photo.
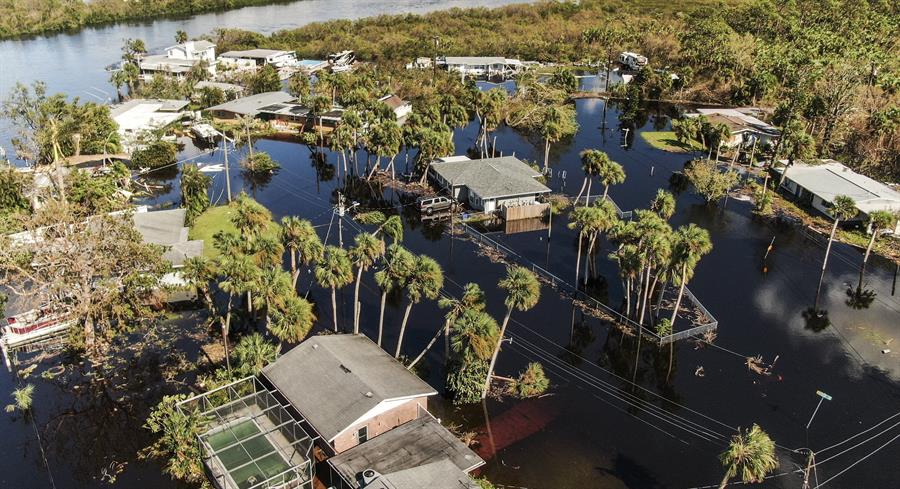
(854, 464)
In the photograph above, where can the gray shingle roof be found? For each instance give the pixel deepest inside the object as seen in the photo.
(492, 177)
(161, 227)
(334, 380)
(829, 178)
(417, 454)
(251, 105)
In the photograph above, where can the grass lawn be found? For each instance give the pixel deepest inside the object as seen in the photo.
(217, 219)
(666, 141)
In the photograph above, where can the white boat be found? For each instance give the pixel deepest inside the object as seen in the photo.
(33, 325)
(204, 131)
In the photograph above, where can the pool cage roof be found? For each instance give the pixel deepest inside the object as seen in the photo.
(250, 440)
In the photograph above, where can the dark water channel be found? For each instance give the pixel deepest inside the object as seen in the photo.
(596, 430)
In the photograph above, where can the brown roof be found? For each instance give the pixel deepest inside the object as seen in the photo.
(394, 102)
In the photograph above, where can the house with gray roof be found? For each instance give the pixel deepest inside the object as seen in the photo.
(250, 105)
(488, 184)
(417, 454)
(348, 389)
(166, 228)
(817, 183)
(744, 125)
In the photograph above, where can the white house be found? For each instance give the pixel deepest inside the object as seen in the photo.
(632, 61)
(254, 58)
(199, 50)
(179, 59)
(819, 182)
(138, 116)
(744, 126)
(481, 65)
(488, 184)
(401, 107)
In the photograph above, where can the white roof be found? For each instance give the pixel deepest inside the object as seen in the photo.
(201, 45)
(140, 114)
(255, 53)
(830, 178)
(739, 116)
(475, 60)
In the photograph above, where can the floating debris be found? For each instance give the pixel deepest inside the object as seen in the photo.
(700, 372)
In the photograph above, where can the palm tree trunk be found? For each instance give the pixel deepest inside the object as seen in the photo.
(587, 198)
(334, 307)
(830, 240)
(578, 258)
(295, 272)
(381, 317)
(427, 347)
(605, 191)
(862, 269)
(446, 341)
(402, 330)
(546, 152)
(225, 327)
(648, 289)
(583, 185)
(680, 293)
(587, 258)
(487, 381)
(356, 301)
(724, 482)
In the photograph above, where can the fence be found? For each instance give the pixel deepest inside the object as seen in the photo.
(514, 213)
(578, 294)
(625, 215)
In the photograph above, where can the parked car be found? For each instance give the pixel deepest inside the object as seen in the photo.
(430, 205)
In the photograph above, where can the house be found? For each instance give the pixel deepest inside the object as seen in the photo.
(230, 90)
(488, 184)
(481, 65)
(288, 116)
(193, 50)
(818, 182)
(402, 109)
(744, 126)
(137, 117)
(179, 59)
(632, 61)
(255, 58)
(248, 105)
(166, 228)
(348, 389)
(418, 454)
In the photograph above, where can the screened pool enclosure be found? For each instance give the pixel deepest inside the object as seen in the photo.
(250, 440)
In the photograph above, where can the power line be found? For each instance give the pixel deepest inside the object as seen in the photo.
(858, 434)
(873, 452)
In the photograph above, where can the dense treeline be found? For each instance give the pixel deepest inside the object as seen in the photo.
(829, 70)
(28, 17)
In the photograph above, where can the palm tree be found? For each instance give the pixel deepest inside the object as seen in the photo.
(334, 272)
(392, 227)
(610, 173)
(474, 336)
(398, 266)
(750, 455)
(246, 124)
(590, 164)
(425, 281)
(523, 291)
(690, 243)
(720, 134)
(472, 298)
(267, 251)
(198, 272)
(842, 208)
(250, 217)
(663, 204)
(239, 276)
(292, 321)
(303, 243)
(367, 250)
(879, 221)
(253, 353)
(274, 290)
(551, 130)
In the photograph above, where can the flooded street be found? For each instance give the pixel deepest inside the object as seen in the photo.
(597, 429)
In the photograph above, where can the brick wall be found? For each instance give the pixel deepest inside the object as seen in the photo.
(386, 421)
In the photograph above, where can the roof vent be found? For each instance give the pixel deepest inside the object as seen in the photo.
(315, 346)
(344, 368)
(369, 476)
(369, 394)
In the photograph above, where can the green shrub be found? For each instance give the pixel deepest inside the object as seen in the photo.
(531, 382)
(465, 383)
(155, 155)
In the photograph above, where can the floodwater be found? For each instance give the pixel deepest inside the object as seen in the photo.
(596, 429)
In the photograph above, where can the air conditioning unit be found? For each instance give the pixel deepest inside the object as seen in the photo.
(369, 476)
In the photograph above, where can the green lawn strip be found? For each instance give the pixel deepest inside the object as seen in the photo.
(217, 219)
(666, 141)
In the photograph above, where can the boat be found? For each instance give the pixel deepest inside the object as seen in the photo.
(31, 327)
(204, 131)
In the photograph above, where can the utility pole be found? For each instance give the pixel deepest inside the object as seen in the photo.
(437, 42)
(823, 397)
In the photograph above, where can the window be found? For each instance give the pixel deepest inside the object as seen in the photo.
(363, 434)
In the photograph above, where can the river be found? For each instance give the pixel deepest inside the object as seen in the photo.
(596, 429)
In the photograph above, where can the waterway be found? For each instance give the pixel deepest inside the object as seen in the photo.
(596, 429)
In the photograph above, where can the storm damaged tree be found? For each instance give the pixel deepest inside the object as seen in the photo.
(97, 271)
